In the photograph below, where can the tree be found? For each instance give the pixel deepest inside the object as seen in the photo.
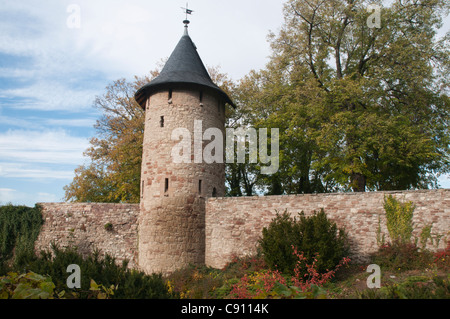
(116, 154)
(358, 107)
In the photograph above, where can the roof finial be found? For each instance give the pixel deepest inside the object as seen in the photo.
(186, 22)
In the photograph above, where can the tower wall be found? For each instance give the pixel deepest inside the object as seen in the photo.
(172, 209)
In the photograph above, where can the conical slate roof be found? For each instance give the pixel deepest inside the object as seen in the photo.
(184, 69)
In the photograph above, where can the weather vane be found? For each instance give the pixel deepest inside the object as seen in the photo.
(187, 11)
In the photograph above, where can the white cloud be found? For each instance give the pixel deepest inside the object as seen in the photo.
(48, 96)
(87, 122)
(16, 73)
(33, 171)
(56, 147)
(128, 38)
(43, 123)
(7, 190)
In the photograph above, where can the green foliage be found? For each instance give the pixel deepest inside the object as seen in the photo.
(26, 286)
(359, 108)
(402, 253)
(425, 235)
(128, 283)
(310, 235)
(19, 228)
(277, 240)
(101, 291)
(204, 282)
(197, 282)
(399, 219)
(281, 291)
(34, 286)
(413, 288)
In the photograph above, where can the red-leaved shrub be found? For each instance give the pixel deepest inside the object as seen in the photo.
(261, 284)
(442, 258)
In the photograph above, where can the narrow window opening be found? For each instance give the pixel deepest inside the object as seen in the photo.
(200, 186)
(161, 121)
(214, 192)
(170, 96)
(142, 189)
(201, 98)
(166, 185)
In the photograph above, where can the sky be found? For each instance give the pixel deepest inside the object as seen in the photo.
(56, 56)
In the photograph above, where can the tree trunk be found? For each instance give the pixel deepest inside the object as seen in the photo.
(358, 182)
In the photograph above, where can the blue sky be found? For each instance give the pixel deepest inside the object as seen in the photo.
(50, 73)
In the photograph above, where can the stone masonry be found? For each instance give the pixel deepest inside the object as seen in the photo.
(83, 225)
(234, 225)
(172, 218)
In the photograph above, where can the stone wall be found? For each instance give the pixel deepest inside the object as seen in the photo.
(233, 225)
(83, 225)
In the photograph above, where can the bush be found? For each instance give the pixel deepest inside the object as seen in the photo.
(19, 228)
(131, 284)
(442, 258)
(399, 219)
(310, 235)
(272, 284)
(399, 256)
(196, 282)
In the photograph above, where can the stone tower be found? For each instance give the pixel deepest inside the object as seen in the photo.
(172, 209)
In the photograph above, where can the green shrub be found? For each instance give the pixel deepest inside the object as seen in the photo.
(19, 228)
(197, 282)
(399, 219)
(131, 284)
(402, 253)
(137, 285)
(310, 235)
